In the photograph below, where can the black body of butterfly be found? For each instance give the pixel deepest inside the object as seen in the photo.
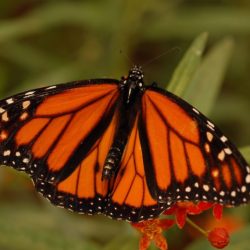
(120, 148)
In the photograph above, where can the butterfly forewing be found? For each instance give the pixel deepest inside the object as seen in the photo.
(188, 155)
(41, 129)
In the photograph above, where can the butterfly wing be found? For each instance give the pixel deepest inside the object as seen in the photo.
(59, 135)
(83, 190)
(130, 198)
(186, 156)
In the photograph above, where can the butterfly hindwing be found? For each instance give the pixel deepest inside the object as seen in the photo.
(83, 190)
(130, 197)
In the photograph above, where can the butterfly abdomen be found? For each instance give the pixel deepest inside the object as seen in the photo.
(114, 157)
(123, 130)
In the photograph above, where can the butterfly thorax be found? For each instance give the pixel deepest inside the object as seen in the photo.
(131, 89)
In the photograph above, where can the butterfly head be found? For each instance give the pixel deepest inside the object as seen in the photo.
(136, 75)
(133, 83)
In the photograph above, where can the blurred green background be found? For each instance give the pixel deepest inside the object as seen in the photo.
(44, 42)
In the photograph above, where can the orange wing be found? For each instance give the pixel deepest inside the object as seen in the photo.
(130, 197)
(84, 190)
(126, 196)
(61, 135)
(186, 157)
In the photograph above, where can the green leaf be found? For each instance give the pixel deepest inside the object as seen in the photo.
(204, 88)
(246, 153)
(186, 69)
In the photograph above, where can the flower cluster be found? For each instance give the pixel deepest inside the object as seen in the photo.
(152, 229)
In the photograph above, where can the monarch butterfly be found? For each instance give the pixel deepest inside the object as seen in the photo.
(120, 148)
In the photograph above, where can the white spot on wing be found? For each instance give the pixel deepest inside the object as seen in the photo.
(248, 169)
(206, 188)
(243, 189)
(2, 110)
(6, 153)
(212, 128)
(233, 193)
(10, 101)
(30, 93)
(223, 138)
(26, 104)
(222, 193)
(25, 160)
(221, 155)
(51, 87)
(228, 151)
(196, 111)
(210, 124)
(5, 117)
(248, 178)
(209, 136)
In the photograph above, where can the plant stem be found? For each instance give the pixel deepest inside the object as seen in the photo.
(194, 225)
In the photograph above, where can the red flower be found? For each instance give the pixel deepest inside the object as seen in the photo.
(218, 237)
(152, 231)
(182, 209)
(218, 211)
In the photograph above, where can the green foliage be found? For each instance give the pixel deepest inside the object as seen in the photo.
(184, 73)
(49, 42)
(205, 85)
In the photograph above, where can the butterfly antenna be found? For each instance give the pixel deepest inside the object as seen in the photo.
(127, 57)
(177, 49)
